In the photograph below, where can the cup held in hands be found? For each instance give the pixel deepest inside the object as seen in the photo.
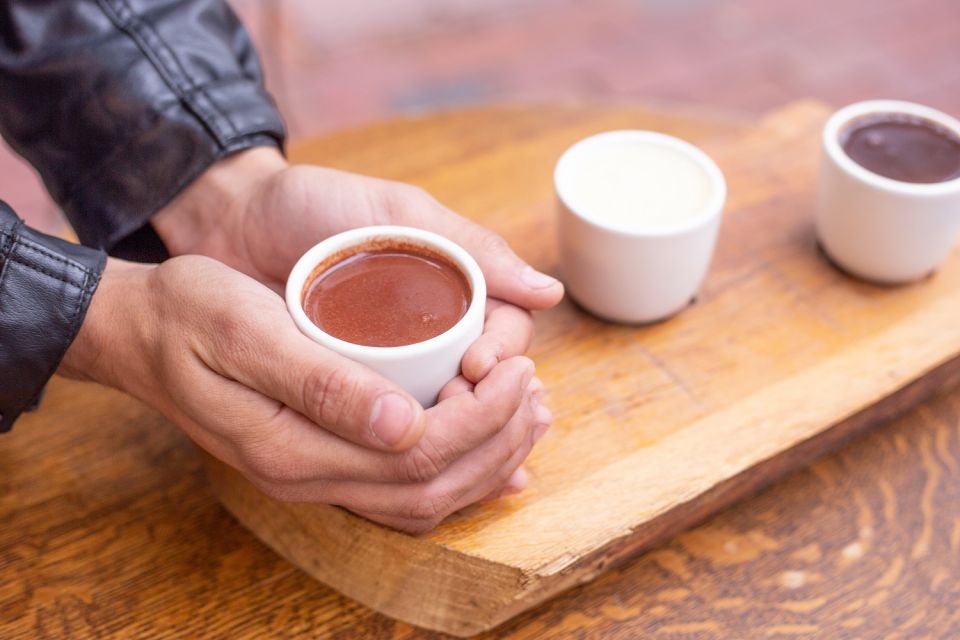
(376, 301)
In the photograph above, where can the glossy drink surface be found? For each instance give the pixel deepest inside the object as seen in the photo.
(903, 147)
(387, 297)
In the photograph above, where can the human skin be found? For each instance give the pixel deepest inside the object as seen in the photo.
(206, 339)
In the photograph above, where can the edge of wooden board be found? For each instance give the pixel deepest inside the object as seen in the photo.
(458, 592)
(941, 378)
(461, 594)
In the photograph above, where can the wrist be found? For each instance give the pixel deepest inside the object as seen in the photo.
(204, 217)
(104, 342)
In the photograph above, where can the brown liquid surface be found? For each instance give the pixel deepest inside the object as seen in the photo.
(902, 147)
(387, 297)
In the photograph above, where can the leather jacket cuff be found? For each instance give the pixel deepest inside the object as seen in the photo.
(45, 289)
(160, 161)
(127, 214)
(120, 104)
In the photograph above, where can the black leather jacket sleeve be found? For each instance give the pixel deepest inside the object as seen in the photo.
(118, 104)
(45, 287)
(121, 103)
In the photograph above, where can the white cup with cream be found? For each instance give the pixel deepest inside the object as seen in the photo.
(639, 216)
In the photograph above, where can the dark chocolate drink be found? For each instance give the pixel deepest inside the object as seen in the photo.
(387, 296)
(903, 147)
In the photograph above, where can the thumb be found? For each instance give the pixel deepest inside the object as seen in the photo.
(336, 393)
(508, 277)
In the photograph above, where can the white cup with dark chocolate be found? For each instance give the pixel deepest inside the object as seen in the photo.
(888, 207)
(403, 301)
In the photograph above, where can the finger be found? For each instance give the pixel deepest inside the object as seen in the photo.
(507, 332)
(463, 421)
(455, 386)
(427, 461)
(509, 480)
(271, 443)
(544, 420)
(536, 388)
(508, 277)
(416, 508)
(289, 458)
(269, 354)
(476, 474)
(294, 452)
(516, 483)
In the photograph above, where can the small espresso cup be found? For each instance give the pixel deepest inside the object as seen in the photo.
(877, 228)
(422, 368)
(648, 261)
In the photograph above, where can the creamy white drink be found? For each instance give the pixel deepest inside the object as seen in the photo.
(635, 183)
(638, 220)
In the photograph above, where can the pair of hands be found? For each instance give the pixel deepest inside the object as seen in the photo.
(205, 339)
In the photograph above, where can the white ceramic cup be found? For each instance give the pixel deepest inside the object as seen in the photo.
(877, 228)
(423, 368)
(632, 273)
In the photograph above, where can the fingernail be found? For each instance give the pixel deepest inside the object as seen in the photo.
(491, 361)
(536, 280)
(509, 491)
(391, 418)
(527, 377)
(535, 388)
(539, 431)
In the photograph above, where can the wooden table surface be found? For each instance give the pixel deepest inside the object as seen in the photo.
(108, 527)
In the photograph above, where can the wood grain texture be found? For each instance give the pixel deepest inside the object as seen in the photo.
(656, 426)
(109, 528)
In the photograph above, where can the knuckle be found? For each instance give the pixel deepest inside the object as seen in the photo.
(430, 508)
(327, 393)
(414, 192)
(421, 464)
(513, 441)
(493, 418)
(291, 492)
(235, 337)
(418, 527)
(401, 194)
(265, 468)
(275, 491)
(233, 328)
(178, 268)
(494, 243)
(517, 434)
(265, 462)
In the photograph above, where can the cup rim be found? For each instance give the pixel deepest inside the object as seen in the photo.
(846, 115)
(305, 266)
(712, 209)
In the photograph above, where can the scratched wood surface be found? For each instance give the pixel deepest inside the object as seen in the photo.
(110, 529)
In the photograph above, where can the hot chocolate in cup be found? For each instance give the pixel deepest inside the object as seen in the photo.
(402, 301)
(888, 207)
(639, 213)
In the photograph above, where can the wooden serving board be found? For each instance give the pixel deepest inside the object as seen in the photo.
(781, 358)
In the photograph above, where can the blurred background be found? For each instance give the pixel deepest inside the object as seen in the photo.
(333, 64)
